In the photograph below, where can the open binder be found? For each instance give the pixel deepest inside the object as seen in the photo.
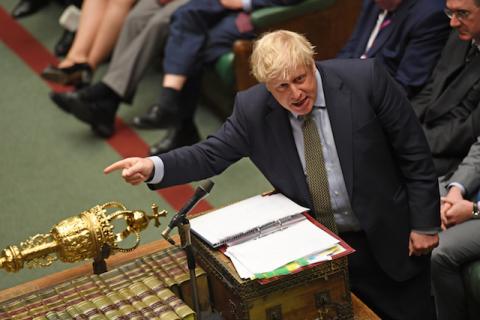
(250, 218)
(264, 233)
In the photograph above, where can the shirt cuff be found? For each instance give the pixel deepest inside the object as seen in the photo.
(159, 170)
(429, 231)
(458, 185)
(247, 5)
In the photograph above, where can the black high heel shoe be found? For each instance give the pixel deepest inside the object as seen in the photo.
(27, 7)
(78, 75)
(64, 43)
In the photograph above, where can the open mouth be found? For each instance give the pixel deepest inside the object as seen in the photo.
(299, 103)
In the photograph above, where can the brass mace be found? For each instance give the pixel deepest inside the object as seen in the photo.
(79, 237)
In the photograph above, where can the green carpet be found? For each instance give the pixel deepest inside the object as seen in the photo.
(51, 164)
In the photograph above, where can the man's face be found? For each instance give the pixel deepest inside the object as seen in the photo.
(297, 93)
(465, 18)
(389, 5)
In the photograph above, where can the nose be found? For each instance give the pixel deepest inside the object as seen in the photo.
(296, 91)
(454, 22)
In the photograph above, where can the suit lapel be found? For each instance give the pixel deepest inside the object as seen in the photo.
(338, 99)
(280, 128)
(446, 97)
(396, 22)
(452, 60)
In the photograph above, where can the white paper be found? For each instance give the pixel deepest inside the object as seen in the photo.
(217, 226)
(277, 249)
(242, 271)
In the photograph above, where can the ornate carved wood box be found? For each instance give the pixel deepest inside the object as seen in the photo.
(321, 292)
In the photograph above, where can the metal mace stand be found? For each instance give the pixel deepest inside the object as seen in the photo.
(186, 243)
(99, 264)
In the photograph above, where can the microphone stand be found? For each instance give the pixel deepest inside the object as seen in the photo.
(99, 264)
(186, 239)
(181, 221)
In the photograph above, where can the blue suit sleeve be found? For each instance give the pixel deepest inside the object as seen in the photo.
(209, 157)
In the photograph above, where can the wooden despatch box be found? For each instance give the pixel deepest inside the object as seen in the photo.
(321, 292)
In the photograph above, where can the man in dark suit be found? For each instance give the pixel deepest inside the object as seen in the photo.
(199, 33)
(448, 106)
(371, 151)
(449, 110)
(460, 239)
(406, 36)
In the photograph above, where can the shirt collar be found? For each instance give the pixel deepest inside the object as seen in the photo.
(476, 44)
(320, 101)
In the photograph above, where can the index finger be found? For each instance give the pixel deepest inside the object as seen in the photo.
(122, 164)
(446, 200)
(444, 207)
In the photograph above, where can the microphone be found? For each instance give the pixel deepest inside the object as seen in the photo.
(201, 192)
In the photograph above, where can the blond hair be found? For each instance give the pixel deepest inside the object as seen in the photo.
(277, 54)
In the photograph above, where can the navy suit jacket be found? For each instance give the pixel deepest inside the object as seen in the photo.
(383, 153)
(409, 46)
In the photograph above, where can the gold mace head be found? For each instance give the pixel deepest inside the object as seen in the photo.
(80, 237)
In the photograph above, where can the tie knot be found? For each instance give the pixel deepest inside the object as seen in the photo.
(307, 118)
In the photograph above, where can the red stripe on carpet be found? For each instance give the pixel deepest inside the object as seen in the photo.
(126, 142)
(32, 52)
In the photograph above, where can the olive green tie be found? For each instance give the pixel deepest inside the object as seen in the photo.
(317, 174)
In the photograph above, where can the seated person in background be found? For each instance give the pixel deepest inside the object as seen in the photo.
(27, 7)
(406, 36)
(460, 240)
(380, 192)
(100, 24)
(200, 32)
(141, 39)
(448, 106)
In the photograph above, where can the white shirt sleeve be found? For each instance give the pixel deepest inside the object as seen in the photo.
(458, 185)
(247, 5)
(159, 170)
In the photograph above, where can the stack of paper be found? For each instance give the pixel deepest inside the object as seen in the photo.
(275, 250)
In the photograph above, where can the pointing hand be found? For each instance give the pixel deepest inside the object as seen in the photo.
(134, 170)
